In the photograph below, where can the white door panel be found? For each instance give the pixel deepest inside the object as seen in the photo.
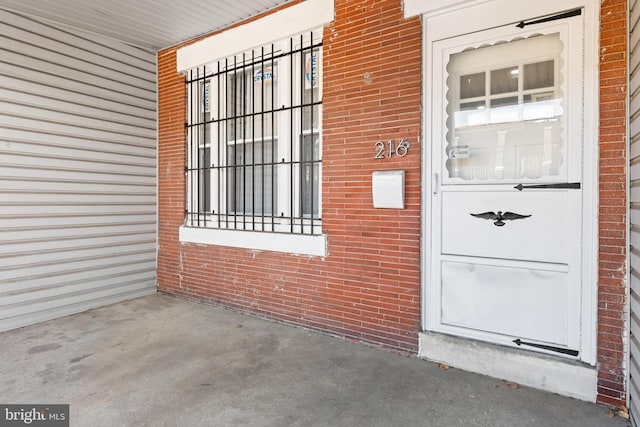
(541, 236)
(505, 300)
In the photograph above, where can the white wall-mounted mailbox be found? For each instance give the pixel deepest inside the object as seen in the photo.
(388, 189)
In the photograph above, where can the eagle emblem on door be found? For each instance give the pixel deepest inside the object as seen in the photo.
(500, 217)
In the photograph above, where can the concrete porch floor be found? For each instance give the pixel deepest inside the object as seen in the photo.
(165, 361)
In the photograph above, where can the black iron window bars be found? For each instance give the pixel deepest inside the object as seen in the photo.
(254, 142)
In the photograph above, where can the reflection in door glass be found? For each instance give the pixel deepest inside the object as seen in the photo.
(504, 80)
(472, 85)
(539, 75)
(505, 111)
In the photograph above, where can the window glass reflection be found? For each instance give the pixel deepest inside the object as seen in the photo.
(504, 80)
(472, 86)
(539, 75)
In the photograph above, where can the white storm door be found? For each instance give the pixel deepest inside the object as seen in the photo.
(507, 167)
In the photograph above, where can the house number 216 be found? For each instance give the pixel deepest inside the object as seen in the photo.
(390, 148)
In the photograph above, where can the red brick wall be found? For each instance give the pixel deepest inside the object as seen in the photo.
(368, 287)
(613, 202)
(171, 162)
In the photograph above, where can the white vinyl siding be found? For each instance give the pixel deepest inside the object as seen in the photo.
(77, 171)
(634, 213)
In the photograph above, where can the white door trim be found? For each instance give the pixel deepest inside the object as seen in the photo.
(482, 15)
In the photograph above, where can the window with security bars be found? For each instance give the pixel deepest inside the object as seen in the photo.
(254, 139)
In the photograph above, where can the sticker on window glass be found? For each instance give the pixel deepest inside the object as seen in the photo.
(311, 71)
(263, 75)
(206, 96)
(459, 152)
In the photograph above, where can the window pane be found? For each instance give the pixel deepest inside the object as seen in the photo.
(310, 117)
(538, 97)
(204, 180)
(235, 104)
(250, 178)
(501, 102)
(504, 80)
(472, 85)
(263, 93)
(310, 171)
(250, 101)
(539, 75)
(467, 106)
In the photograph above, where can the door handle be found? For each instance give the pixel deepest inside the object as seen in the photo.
(565, 185)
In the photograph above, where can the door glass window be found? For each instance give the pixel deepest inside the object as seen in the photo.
(505, 111)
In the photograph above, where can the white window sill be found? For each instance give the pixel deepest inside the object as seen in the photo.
(300, 244)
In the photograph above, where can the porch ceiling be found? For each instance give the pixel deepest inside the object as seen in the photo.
(151, 24)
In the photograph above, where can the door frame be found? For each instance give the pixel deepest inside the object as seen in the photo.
(473, 16)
